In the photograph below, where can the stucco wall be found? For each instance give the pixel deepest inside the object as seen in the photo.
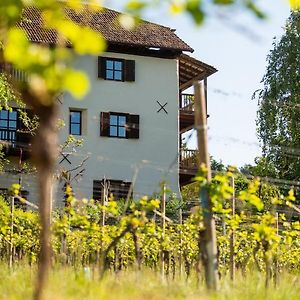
(153, 157)
(154, 154)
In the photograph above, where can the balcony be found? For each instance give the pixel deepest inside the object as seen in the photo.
(188, 166)
(186, 112)
(15, 142)
(12, 72)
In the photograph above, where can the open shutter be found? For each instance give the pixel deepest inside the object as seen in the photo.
(133, 125)
(101, 67)
(23, 134)
(129, 70)
(97, 189)
(104, 124)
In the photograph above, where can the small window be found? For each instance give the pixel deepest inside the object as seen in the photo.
(106, 187)
(75, 122)
(119, 125)
(116, 69)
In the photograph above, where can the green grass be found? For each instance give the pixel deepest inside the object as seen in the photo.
(66, 283)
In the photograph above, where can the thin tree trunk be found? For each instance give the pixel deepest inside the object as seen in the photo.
(44, 152)
(138, 253)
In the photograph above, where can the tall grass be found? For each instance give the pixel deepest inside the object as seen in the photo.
(68, 283)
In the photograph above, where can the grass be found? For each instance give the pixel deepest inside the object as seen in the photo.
(67, 284)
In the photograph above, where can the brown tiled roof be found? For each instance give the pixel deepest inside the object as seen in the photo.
(146, 34)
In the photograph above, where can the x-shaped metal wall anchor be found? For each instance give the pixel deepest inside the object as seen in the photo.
(65, 157)
(162, 107)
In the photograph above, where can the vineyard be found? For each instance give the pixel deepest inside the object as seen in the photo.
(99, 243)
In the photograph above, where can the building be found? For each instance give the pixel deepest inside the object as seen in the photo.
(131, 121)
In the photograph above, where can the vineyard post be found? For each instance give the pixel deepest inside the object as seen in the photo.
(180, 241)
(232, 235)
(208, 235)
(103, 203)
(102, 219)
(12, 208)
(163, 225)
(276, 273)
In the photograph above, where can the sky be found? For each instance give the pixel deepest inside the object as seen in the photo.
(237, 44)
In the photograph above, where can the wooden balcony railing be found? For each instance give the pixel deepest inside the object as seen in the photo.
(16, 74)
(8, 135)
(188, 160)
(187, 102)
(15, 142)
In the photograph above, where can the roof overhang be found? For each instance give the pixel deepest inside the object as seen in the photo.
(191, 69)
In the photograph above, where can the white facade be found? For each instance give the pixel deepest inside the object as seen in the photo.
(153, 157)
(150, 102)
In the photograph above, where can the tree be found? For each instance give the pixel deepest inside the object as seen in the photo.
(262, 168)
(278, 115)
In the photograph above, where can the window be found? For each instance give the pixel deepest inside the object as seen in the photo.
(119, 125)
(116, 69)
(106, 187)
(75, 122)
(8, 125)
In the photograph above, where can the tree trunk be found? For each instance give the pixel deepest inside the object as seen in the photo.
(44, 152)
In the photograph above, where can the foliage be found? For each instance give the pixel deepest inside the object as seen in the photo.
(124, 241)
(263, 168)
(279, 101)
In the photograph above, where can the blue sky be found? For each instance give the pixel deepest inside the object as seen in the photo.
(236, 43)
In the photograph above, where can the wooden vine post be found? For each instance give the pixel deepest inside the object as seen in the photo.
(232, 235)
(163, 226)
(208, 242)
(11, 246)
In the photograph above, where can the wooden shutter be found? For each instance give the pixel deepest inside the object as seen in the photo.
(97, 189)
(102, 67)
(23, 135)
(129, 70)
(133, 126)
(104, 124)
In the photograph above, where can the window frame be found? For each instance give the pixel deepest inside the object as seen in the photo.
(132, 125)
(75, 123)
(118, 126)
(127, 69)
(114, 60)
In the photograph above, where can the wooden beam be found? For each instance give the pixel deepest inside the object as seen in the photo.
(189, 83)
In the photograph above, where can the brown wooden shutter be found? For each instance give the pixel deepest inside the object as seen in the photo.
(104, 124)
(23, 134)
(97, 189)
(102, 67)
(129, 70)
(133, 125)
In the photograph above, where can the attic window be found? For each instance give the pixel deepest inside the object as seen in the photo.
(154, 48)
(116, 69)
